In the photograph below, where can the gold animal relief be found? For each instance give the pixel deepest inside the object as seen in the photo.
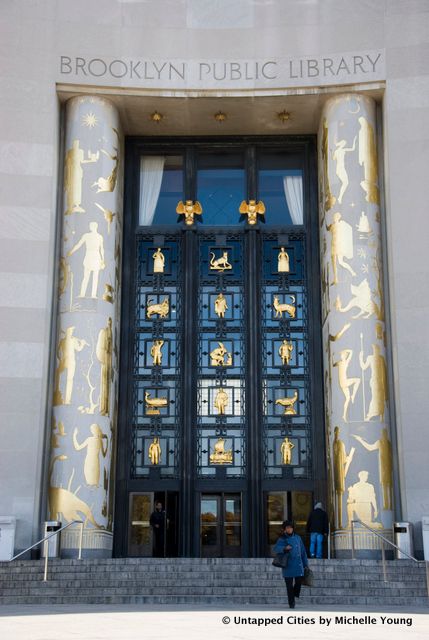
(220, 455)
(220, 264)
(161, 308)
(252, 209)
(284, 307)
(153, 405)
(288, 404)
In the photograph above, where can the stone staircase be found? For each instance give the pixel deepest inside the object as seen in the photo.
(215, 581)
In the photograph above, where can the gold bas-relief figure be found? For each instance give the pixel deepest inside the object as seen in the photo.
(285, 351)
(93, 261)
(156, 352)
(284, 307)
(341, 245)
(377, 383)
(288, 404)
(57, 431)
(362, 300)
(103, 352)
(385, 469)
(162, 308)
(153, 405)
(283, 261)
(221, 401)
(189, 209)
(368, 159)
(108, 215)
(220, 456)
(361, 502)
(330, 200)
(220, 264)
(64, 276)
(339, 156)
(64, 504)
(364, 227)
(94, 445)
(108, 295)
(220, 357)
(73, 176)
(342, 463)
(345, 382)
(66, 354)
(252, 209)
(220, 306)
(158, 261)
(286, 451)
(155, 451)
(108, 184)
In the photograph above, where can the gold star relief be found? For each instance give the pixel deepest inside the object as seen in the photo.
(90, 120)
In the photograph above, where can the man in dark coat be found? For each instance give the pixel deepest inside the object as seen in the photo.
(158, 521)
(291, 543)
(317, 526)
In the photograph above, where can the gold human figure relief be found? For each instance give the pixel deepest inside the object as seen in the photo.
(93, 261)
(57, 431)
(345, 382)
(385, 468)
(94, 445)
(66, 354)
(155, 451)
(288, 404)
(342, 463)
(220, 357)
(103, 352)
(64, 504)
(153, 405)
(108, 184)
(156, 352)
(189, 209)
(108, 215)
(285, 351)
(283, 261)
(341, 244)
(73, 176)
(161, 308)
(219, 455)
(339, 156)
(252, 209)
(364, 227)
(377, 382)
(108, 295)
(361, 299)
(220, 264)
(361, 501)
(221, 401)
(368, 159)
(330, 200)
(286, 451)
(284, 307)
(220, 306)
(158, 261)
(64, 276)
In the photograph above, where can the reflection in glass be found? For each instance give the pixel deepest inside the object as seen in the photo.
(280, 188)
(161, 187)
(221, 187)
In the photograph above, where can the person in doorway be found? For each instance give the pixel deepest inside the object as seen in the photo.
(292, 544)
(158, 522)
(318, 527)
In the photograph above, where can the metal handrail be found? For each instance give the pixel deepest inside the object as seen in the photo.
(45, 540)
(383, 551)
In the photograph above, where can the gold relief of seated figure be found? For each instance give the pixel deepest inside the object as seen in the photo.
(220, 357)
(220, 456)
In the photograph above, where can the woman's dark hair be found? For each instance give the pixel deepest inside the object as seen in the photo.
(288, 523)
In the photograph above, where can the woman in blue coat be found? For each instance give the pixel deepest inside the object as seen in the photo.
(291, 543)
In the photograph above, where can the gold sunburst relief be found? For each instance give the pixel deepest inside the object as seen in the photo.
(90, 120)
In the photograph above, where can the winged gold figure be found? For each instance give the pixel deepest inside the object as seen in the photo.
(189, 209)
(252, 209)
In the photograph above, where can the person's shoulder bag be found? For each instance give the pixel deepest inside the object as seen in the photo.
(280, 560)
(308, 578)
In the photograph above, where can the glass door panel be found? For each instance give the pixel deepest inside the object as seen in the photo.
(210, 527)
(140, 536)
(232, 526)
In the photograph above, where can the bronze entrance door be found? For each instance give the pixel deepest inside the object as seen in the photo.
(220, 386)
(220, 528)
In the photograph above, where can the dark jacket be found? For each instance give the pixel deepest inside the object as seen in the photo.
(318, 521)
(297, 555)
